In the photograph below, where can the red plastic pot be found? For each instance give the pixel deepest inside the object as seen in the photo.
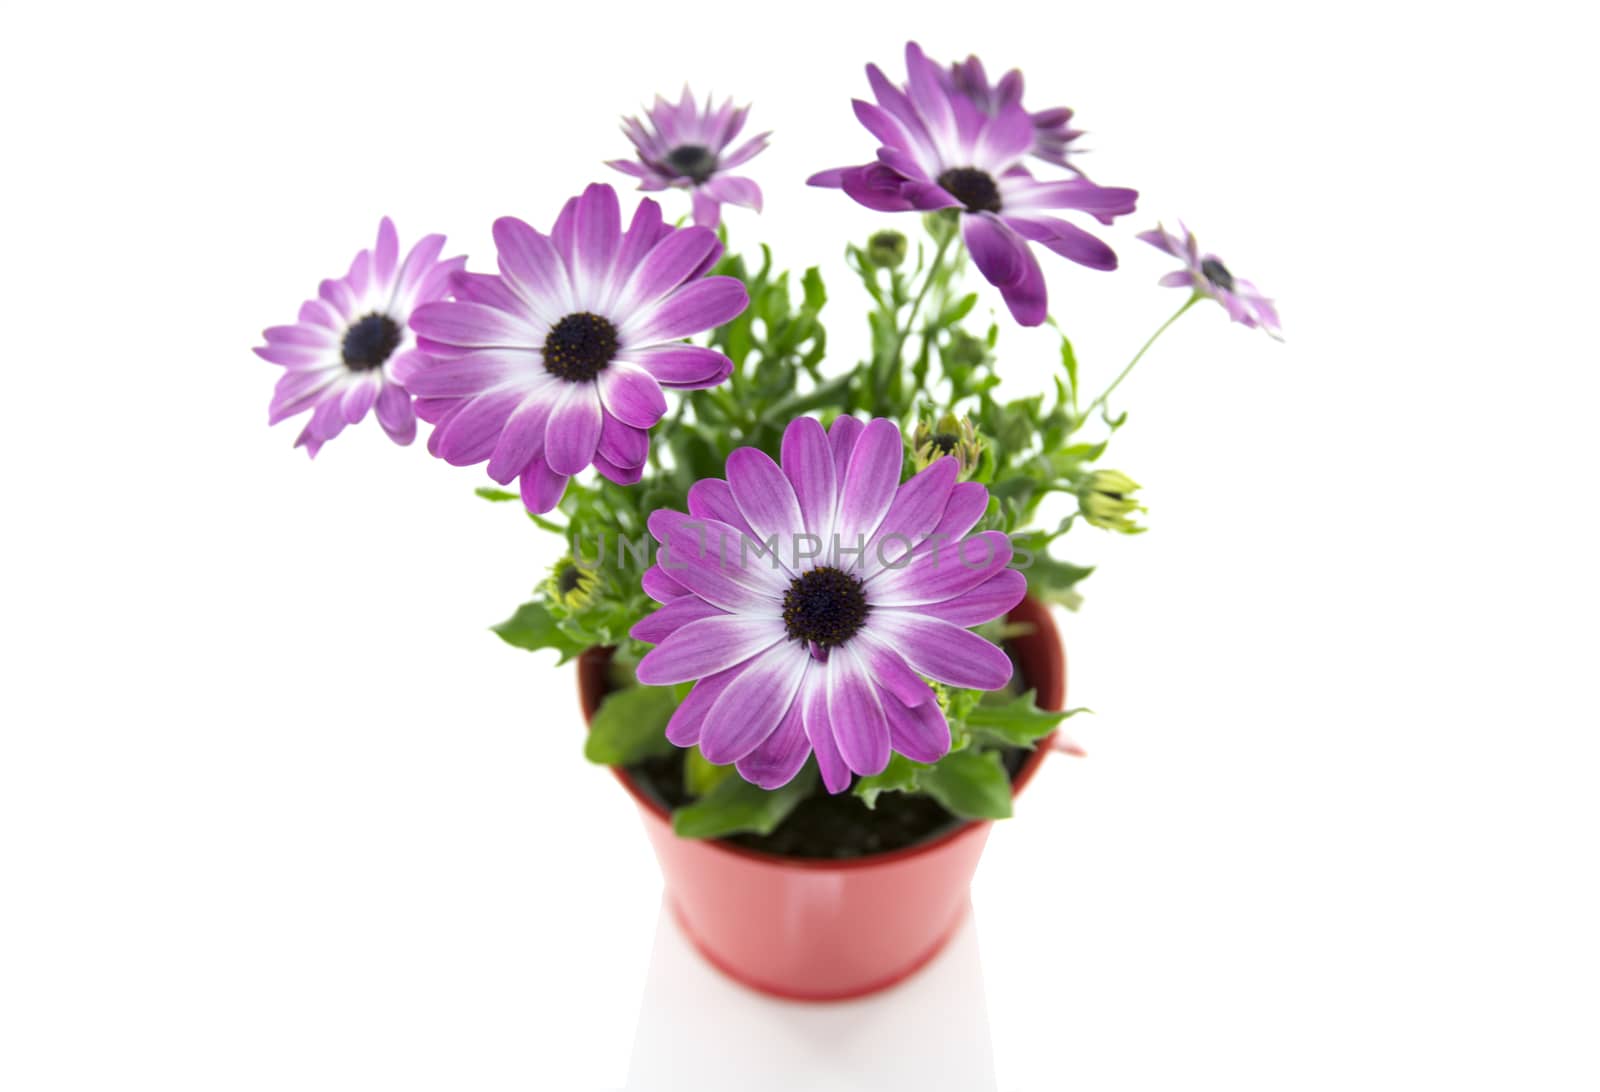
(820, 930)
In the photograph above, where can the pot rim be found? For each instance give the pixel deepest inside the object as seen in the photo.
(1038, 615)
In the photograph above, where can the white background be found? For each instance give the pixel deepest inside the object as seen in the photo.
(276, 810)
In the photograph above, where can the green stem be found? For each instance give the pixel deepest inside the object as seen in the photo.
(922, 294)
(903, 334)
(1138, 356)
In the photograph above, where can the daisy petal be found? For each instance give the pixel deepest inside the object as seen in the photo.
(856, 714)
(708, 646)
(711, 498)
(573, 431)
(808, 464)
(764, 495)
(700, 305)
(631, 394)
(472, 325)
(717, 563)
(941, 651)
(944, 574)
(541, 486)
(813, 700)
(919, 732)
(683, 730)
(754, 704)
(687, 367)
(870, 483)
(994, 598)
(658, 625)
(779, 757)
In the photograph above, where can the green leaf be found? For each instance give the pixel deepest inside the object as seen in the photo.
(489, 493)
(630, 726)
(735, 806)
(899, 776)
(1069, 361)
(815, 294)
(533, 627)
(1056, 581)
(700, 776)
(1018, 722)
(958, 310)
(971, 784)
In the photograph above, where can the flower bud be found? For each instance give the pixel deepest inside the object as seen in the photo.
(571, 585)
(949, 435)
(1106, 500)
(886, 249)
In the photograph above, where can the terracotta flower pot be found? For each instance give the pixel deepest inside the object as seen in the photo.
(822, 930)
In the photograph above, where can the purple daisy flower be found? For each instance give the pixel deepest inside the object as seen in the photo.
(941, 151)
(558, 363)
(1207, 276)
(1052, 129)
(686, 146)
(822, 644)
(342, 357)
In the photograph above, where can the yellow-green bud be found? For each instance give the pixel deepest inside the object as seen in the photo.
(886, 249)
(571, 585)
(949, 435)
(1106, 500)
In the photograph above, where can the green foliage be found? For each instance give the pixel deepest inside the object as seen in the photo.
(972, 784)
(533, 627)
(735, 806)
(1016, 723)
(701, 776)
(630, 726)
(899, 776)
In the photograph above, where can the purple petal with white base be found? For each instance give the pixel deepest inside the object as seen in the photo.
(558, 363)
(950, 141)
(1052, 129)
(346, 354)
(826, 651)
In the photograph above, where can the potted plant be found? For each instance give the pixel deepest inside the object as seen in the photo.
(808, 599)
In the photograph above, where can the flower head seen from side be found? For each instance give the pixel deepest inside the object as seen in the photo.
(342, 356)
(811, 599)
(940, 150)
(1207, 276)
(1052, 129)
(558, 363)
(684, 145)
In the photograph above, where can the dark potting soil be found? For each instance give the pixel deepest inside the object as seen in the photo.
(823, 825)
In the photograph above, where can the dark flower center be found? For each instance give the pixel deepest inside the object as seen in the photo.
(1217, 274)
(693, 161)
(824, 607)
(369, 342)
(972, 187)
(579, 347)
(569, 579)
(945, 441)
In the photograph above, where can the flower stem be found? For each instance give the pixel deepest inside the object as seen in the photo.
(922, 294)
(894, 362)
(1138, 356)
